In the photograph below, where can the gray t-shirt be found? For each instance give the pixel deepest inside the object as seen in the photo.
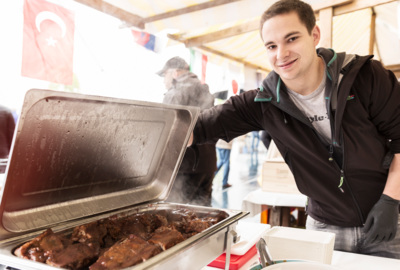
(314, 108)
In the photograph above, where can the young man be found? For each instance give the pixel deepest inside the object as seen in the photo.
(335, 118)
(193, 184)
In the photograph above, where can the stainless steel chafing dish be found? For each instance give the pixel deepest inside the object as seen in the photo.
(78, 158)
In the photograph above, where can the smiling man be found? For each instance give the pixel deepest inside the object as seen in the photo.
(335, 118)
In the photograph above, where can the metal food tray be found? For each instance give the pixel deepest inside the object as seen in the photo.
(193, 253)
(78, 158)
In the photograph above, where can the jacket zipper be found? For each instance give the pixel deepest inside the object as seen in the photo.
(350, 191)
(331, 159)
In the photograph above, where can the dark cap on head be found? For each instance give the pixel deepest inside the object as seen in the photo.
(175, 63)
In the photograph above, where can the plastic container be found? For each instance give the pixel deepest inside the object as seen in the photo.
(293, 243)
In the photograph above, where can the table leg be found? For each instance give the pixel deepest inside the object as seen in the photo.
(301, 217)
(285, 216)
(275, 216)
(264, 214)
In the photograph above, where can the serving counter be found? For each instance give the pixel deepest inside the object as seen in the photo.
(343, 261)
(340, 260)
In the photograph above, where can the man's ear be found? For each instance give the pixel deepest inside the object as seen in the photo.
(174, 73)
(316, 34)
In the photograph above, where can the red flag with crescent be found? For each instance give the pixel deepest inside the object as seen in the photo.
(48, 42)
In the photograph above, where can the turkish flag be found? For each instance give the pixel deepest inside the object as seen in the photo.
(48, 42)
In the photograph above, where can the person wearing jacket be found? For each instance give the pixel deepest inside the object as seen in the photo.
(7, 126)
(335, 119)
(193, 183)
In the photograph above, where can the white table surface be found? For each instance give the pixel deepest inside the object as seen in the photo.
(253, 201)
(343, 261)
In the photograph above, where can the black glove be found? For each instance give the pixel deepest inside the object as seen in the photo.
(381, 224)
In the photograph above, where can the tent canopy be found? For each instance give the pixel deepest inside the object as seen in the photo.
(230, 28)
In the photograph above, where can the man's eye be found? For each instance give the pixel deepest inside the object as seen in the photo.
(271, 47)
(292, 39)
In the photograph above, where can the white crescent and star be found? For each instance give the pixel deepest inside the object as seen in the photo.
(47, 15)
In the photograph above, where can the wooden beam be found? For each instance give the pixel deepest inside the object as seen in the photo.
(326, 26)
(329, 3)
(189, 9)
(230, 57)
(395, 69)
(253, 25)
(130, 18)
(226, 33)
(372, 32)
(357, 5)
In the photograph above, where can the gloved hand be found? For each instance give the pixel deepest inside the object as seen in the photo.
(381, 224)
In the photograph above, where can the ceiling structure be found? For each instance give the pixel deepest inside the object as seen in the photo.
(230, 28)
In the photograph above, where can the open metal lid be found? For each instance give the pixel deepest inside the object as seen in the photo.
(76, 155)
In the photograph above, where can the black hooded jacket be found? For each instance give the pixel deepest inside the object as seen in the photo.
(342, 179)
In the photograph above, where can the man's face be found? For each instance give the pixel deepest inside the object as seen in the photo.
(290, 48)
(168, 78)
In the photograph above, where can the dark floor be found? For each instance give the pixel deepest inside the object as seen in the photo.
(245, 169)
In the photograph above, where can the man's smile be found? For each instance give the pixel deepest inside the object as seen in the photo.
(286, 64)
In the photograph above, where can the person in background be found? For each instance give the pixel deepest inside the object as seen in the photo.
(193, 183)
(224, 159)
(255, 140)
(7, 127)
(335, 118)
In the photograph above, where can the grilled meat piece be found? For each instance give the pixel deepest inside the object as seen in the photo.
(41, 247)
(127, 252)
(75, 256)
(152, 221)
(197, 225)
(166, 237)
(93, 232)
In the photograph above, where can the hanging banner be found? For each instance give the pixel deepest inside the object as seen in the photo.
(145, 39)
(204, 60)
(198, 64)
(48, 42)
(235, 87)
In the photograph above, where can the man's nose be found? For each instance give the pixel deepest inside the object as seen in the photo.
(282, 52)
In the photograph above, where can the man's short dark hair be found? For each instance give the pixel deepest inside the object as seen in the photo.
(303, 10)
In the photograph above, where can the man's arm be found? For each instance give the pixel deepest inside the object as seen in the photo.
(381, 223)
(392, 188)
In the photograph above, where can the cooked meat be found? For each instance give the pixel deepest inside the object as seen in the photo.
(181, 215)
(41, 247)
(117, 241)
(133, 225)
(93, 232)
(75, 256)
(149, 251)
(213, 220)
(197, 225)
(166, 237)
(125, 253)
(152, 221)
